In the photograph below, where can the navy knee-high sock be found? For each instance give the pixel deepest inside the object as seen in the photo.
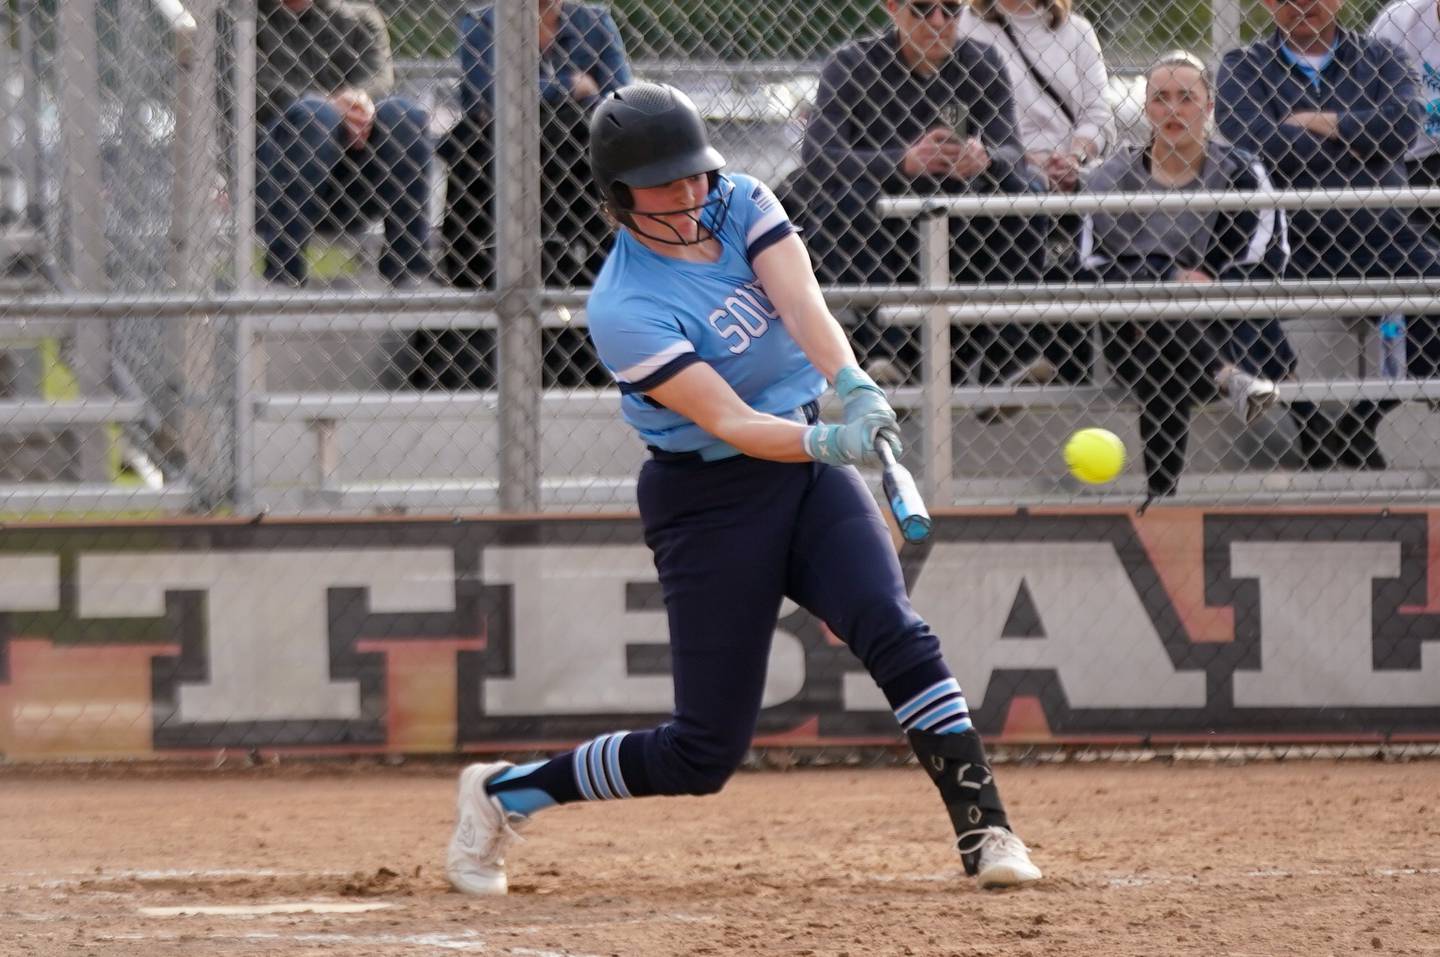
(928, 698)
(606, 768)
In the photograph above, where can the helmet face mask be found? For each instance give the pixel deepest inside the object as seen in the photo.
(716, 207)
(650, 134)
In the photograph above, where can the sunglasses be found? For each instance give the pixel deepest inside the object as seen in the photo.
(923, 8)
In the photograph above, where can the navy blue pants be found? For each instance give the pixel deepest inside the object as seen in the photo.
(307, 176)
(731, 540)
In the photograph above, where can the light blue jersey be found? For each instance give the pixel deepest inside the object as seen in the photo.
(651, 316)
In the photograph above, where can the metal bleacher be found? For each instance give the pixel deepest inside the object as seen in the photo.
(66, 414)
(312, 417)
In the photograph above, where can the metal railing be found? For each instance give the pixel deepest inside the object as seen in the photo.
(947, 306)
(207, 317)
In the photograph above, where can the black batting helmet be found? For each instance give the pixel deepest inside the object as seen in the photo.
(647, 134)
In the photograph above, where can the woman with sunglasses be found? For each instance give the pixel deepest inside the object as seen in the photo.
(913, 109)
(1175, 364)
(709, 317)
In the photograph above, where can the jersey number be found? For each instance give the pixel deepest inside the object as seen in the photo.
(744, 319)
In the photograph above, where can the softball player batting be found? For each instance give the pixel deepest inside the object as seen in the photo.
(709, 316)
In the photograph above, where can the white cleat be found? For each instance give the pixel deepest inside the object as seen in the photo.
(1004, 860)
(475, 862)
(1250, 395)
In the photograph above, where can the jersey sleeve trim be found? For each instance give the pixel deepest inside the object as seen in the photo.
(661, 375)
(758, 244)
(648, 367)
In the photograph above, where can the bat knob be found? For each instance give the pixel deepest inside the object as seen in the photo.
(915, 529)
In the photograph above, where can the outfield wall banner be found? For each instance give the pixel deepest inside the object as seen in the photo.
(433, 636)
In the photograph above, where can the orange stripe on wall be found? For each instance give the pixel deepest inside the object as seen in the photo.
(1175, 541)
(1025, 722)
(90, 701)
(421, 691)
(1432, 548)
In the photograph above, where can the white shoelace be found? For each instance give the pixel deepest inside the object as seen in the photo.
(998, 839)
(508, 833)
(503, 836)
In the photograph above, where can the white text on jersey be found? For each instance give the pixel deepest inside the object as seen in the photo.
(746, 316)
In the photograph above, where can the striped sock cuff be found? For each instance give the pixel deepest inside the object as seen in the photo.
(597, 768)
(939, 709)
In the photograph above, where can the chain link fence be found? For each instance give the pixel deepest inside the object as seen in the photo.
(222, 303)
(314, 259)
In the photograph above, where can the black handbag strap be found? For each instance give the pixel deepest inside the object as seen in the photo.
(1035, 74)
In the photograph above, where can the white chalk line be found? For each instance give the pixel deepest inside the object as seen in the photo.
(617, 922)
(468, 941)
(265, 910)
(947, 876)
(77, 878)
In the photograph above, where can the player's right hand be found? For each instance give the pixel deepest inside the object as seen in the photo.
(862, 397)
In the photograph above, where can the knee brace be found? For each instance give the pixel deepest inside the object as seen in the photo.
(957, 765)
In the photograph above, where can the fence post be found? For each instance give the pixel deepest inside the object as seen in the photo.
(194, 146)
(249, 372)
(30, 108)
(935, 386)
(88, 351)
(242, 121)
(518, 241)
(10, 168)
(195, 344)
(1225, 19)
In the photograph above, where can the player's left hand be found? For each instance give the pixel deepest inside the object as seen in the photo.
(849, 444)
(852, 443)
(862, 398)
(890, 435)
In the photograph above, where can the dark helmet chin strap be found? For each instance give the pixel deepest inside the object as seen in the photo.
(626, 216)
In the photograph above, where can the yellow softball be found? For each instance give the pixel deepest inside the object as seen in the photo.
(1095, 455)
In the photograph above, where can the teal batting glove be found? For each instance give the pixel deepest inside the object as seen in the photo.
(852, 443)
(890, 435)
(862, 397)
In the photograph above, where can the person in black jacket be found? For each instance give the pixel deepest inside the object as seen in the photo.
(1174, 364)
(1326, 108)
(914, 110)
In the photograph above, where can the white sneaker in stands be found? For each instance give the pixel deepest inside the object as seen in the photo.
(1038, 371)
(1250, 395)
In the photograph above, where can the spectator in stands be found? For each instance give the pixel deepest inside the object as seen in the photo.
(1058, 75)
(916, 110)
(1414, 27)
(335, 147)
(582, 59)
(1174, 364)
(1327, 108)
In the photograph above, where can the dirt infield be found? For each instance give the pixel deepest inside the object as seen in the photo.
(1297, 859)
